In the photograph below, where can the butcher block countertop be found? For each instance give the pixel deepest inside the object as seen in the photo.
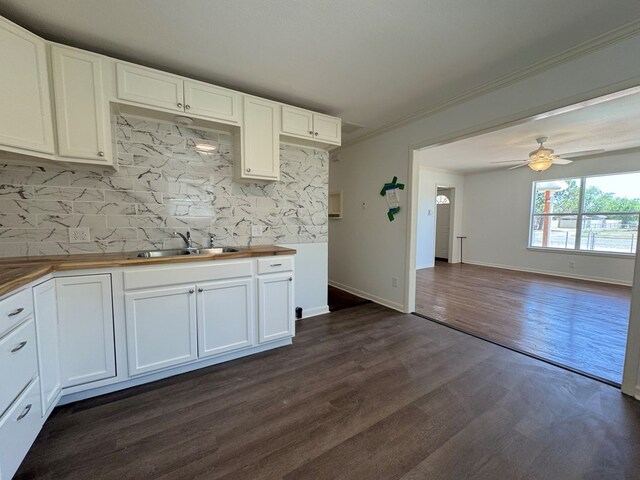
(16, 272)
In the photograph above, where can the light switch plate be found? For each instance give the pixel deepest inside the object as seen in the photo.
(256, 230)
(79, 235)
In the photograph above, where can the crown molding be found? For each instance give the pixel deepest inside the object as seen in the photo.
(614, 36)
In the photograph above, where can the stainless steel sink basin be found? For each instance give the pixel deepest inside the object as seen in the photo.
(166, 253)
(178, 252)
(212, 251)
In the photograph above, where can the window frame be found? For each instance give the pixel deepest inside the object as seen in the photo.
(579, 216)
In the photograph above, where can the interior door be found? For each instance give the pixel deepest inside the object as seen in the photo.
(443, 220)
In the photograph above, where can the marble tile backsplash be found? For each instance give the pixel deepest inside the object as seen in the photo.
(163, 185)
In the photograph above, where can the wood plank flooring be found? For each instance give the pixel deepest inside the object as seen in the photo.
(576, 323)
(364, 393)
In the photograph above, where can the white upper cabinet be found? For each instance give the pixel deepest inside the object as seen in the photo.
(25, 105)
(260, 159)
(149, 87)
(313, 126)
(163, 90)
(82, 113)
(207, 100)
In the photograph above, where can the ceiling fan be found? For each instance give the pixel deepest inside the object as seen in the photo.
(542, 157)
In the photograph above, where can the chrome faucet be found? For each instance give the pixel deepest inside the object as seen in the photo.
(187, 239)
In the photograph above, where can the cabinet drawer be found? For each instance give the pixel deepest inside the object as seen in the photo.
(275, 264)
(19, 427)
(18, 362)
(15, 309)
(160, 276)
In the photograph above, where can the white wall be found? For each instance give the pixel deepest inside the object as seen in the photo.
(311, 277)
(496, 220)
(365, 249)
(430, 180)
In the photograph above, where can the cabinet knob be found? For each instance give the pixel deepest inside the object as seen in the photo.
(316, 134)
(187, 107)
(179, 105)
(101, 154)
(201, 290)
(248, 169)
(191, 290)
(310, 132)
(291, 279)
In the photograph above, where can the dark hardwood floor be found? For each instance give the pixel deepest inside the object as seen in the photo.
(364, 393)
(339, 299)
(576, 323)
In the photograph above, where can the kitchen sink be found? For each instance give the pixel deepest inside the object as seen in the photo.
(178, 252)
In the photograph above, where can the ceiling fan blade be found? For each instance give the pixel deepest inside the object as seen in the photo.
(518, 166)
(512, 161)
(582, 153)
(562, 161)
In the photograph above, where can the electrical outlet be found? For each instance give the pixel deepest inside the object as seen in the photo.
(79, 235)
(256, 230)
(394, 282)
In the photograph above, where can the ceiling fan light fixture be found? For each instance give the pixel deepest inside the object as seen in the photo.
(541, 158)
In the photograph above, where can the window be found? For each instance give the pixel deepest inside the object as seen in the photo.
(596, 214)
(442, 200)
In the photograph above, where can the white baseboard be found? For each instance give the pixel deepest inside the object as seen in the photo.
(420, 267)
(312, 312)
(547, 272)
(368, 296)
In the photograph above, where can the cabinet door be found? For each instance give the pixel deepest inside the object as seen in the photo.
(85, 329)
(25, 104)
(261, 140)
(327, 129)
(44, 301)
(149, 87)
(296, 121)
(81, 111)
(161, 328)
(210, 101)
(275, 307)
(225, 316)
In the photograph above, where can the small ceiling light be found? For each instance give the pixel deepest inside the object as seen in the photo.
(205, 147)
(541, 158)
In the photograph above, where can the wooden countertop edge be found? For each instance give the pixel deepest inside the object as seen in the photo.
(24, 270)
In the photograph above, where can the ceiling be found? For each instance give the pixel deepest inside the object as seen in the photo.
(611, 125)
(370, 62)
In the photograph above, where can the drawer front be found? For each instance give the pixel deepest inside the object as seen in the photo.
(19, 427)
(275, 264)
(15, 309)
(18, 362)
(161, 276)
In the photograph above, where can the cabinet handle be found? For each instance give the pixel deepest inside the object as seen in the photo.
(316, 134)
(101, 154)
(201, 290)
(15, 312)
(187, 107)
(276, 264)
(248, 169)
(18, 347)
(191, 291)
(291, 279)
(25, 412)
(179, 105)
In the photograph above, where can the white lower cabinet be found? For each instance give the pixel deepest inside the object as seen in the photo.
(161, 328)
(85, 329)
(46, 316)
(225, 316)
(275, 306)
(19, 427)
